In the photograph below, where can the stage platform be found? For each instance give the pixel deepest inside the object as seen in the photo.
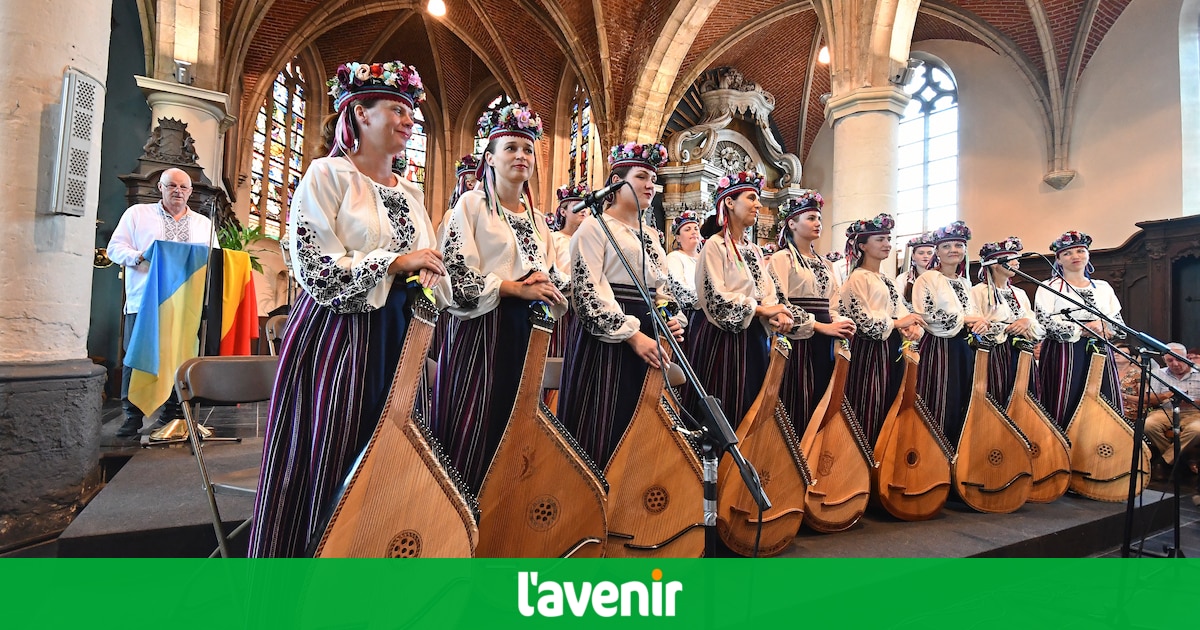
(155, 506)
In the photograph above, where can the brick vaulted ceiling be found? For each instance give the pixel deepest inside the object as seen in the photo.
(527, 46)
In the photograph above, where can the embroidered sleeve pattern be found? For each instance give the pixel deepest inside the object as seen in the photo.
(867, 326)
(685, 296)
(403, 229)
(802, 320)
(597, 319)
(938, 317)
(728, 315)
(526, 241)
(467, 285)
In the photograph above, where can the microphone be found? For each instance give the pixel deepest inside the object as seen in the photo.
(1004, 259)
(596, 196)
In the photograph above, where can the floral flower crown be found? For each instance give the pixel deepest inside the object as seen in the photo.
(956, 231)
(734, 184)
(1069, 240)
(808, 201)
(514, 119)
(355, 81)
(685, 217)
(834, 256)
(571, 192)
(1010, 245)
(921, 240)
(650, 156)
(881, 224)
(466, 164)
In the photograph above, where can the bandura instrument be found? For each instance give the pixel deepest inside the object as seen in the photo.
(768, 441)
(401, 499)
(839, 457)
(992, 472)
(656, 496)
(541, 497)
(912, 481)
(1102, 443)
(1049, 449)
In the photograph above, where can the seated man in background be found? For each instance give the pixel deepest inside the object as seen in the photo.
(1158, 423)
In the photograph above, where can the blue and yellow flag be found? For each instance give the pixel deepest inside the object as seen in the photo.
(164, 335)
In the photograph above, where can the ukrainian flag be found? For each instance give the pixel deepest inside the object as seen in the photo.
(164, 335)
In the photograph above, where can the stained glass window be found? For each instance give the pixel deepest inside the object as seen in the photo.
(416, 151)
(277, 157)
(928, 154)
(582, 137)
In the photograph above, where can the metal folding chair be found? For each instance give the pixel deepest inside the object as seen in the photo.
(222, 381)
(274, 331)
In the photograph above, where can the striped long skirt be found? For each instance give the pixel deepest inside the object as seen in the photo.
(335, 371)
(810, 368)
(601, 382)
(876, 373)
(944, 379)
(1062, 372)
(1002, 373)
(478, 374)
(731, 366)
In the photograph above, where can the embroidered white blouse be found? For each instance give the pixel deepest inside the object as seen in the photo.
(730, 289)
(595, 268)
(813, 277)
(1013, 305)
(344, 230)
(481, 249)
(681, 271)
(943, 302)
(871, 300)
(1059, 327)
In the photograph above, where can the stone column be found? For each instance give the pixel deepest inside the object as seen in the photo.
(49, 389)
(866, 124)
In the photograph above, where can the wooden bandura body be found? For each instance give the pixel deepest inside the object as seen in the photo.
(1050, 452)
(1102, 443)
(541, 497)
(768, 441)
(838, 456)
(992, 472)
(656, 496)
(400, 498)
(912, 481)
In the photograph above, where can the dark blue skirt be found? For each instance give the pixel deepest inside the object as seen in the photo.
(601, 382)
(810, 368)
(731, 366)
(944, 380)
(876, 374)
(479, 371)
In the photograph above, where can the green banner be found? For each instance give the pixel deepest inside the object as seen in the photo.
(721, 593)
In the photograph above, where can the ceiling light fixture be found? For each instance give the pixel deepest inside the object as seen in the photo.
(436, 8)
(823, 56)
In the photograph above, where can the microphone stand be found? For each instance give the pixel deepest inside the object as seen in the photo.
(1149, 344)
(715, 433)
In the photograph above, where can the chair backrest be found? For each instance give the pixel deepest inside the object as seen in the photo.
(226, 380)
(274, 330)
(552, 377)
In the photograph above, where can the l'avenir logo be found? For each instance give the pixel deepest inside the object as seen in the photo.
(548, 598)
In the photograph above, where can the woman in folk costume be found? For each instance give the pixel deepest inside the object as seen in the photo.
(882, 322)
(1063, 367)
(807, 281)
(356, 232)
(614, 339)
(563, 225)
(464, 173)
(501, 258)
(729, 346)
(942, 296)
(1010, 313)
(681, 262)
(920, 252)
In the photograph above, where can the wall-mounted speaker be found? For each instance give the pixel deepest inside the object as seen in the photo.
(78, 142)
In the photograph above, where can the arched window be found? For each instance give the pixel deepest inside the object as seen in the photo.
(278, 151)
(578, 157)
(416, 151)
(481, 137)
(928, 156)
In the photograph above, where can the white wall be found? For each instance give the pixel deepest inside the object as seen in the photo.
(1125, 138)
(46, 285)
